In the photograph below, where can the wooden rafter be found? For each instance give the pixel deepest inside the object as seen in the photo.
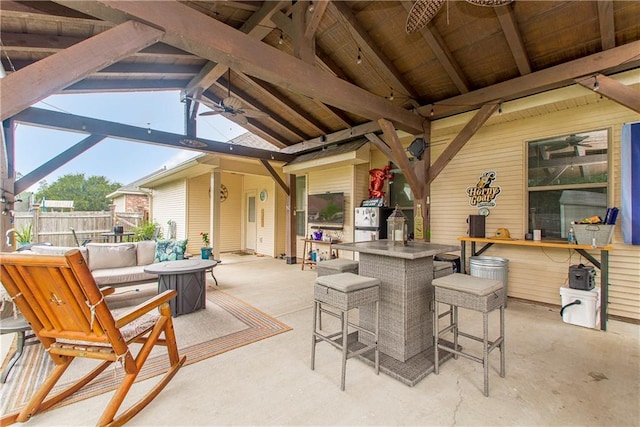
(381, 145)
(249, 101)
(275, 176)
(613, 90)
(322, 60)
(61, 159)
(339, 136)
(32, 84)
(303, 47)
(189, 30)
(75, 123)
(255, 27)
(316, 16)
(378, 59)
(444, 56)
(607, 24)
(549, 78)
(401, 158)
(289, 105)
(513, 37)
(461, 139)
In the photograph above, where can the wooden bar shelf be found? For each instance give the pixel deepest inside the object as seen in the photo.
(308, 247)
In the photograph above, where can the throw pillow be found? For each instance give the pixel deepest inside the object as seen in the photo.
(146, 252)
(170, 250)
(104, 255)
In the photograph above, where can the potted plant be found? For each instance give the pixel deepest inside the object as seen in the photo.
(205, 251)
(24, 236)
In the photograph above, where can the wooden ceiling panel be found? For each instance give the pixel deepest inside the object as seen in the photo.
(626, 16)
(550, 38)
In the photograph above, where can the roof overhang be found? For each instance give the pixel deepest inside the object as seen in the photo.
(351, 153)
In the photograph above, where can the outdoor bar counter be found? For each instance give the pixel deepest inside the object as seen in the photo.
(406, 323)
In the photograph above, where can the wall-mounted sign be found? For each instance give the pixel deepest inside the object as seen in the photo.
(483, 195)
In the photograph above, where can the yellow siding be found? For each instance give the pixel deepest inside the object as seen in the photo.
(198, 211)
(534, 273)
(231, 214)
(169, 203)
(265, 212)
(337, 180)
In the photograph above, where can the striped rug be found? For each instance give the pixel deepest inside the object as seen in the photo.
(35, 365)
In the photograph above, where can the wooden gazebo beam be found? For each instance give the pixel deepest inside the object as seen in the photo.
(23, 88)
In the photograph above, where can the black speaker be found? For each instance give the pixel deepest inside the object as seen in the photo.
(476, 225)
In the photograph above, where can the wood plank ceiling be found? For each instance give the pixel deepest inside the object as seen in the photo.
(322, 71)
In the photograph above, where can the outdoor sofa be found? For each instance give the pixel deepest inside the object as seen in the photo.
(121, 264)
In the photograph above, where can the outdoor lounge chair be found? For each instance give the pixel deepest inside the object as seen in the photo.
(58, 296)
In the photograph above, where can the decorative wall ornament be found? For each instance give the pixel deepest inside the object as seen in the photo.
(483, 194)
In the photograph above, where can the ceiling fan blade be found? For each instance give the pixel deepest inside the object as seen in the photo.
(237, 118)
(421, 13)
(254, 113)
(210, 113)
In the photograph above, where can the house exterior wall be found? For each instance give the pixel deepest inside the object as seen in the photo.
(198, 211)
(339, 179)
(119, 202)
(231, 213)
(534, 273)
(136, 203)
(266, 221)
(170, 203)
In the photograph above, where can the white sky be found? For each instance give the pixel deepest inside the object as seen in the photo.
(117, 160)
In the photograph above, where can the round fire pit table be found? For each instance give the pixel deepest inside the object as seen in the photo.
(187, 277)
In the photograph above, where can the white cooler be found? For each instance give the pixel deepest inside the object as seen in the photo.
(586, 313)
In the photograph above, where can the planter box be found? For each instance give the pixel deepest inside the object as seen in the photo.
(586, 233)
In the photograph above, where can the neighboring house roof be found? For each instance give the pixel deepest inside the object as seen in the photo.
(331, 150)
(254, 141)
(133, 187)
(204, 162)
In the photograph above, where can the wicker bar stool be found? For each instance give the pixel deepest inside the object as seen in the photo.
(343, 292)
(441, 268)
(473, 293)
(337, 265)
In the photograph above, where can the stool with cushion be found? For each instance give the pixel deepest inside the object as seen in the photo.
(343, 292)
(473, 293)
(442, 268)
(337, 265)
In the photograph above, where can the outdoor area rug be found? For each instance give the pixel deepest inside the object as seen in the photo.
(226, 323)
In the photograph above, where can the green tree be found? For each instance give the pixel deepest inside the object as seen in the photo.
(88, 194)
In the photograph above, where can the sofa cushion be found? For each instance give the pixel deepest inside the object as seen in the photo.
(116, 276)
(170, 250)
(56, 250)
(146, 252)
(106, 255)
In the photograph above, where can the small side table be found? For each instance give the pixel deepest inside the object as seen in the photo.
(187, 277)
(308, 243)
(20, 327)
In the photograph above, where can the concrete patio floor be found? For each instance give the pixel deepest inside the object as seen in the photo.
(557, 374)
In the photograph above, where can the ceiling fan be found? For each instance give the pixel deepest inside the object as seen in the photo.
(230, 107)
(570, 141)
(423, 11)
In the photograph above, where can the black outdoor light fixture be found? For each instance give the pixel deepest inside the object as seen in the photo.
(417, 147)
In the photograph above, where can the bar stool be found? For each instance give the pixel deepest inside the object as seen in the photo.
(337, 265)
(343, 292)
(474, 293)
(442, 268)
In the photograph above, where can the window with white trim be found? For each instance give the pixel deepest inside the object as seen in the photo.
(567, 180)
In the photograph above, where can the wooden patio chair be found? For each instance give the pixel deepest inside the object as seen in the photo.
(67, 311)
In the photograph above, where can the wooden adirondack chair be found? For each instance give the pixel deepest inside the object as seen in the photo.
(67, 311)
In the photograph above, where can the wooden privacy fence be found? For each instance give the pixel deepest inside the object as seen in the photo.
(55, 227)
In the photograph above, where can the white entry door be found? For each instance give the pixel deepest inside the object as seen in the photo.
(250, 223)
